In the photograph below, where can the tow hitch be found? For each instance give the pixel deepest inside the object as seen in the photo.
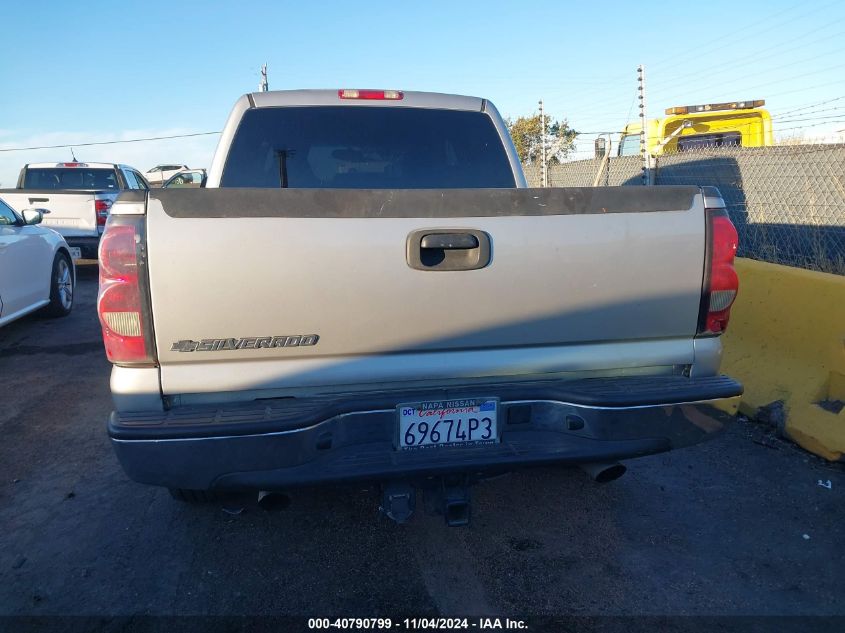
(445, 495)
(455, 502)
(398, 501)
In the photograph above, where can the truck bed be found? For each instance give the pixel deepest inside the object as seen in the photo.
(71, 213)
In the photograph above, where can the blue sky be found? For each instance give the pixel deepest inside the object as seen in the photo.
(76, 72)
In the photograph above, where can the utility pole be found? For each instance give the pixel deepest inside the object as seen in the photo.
(643, 124)
(544, 176)
(263, 86)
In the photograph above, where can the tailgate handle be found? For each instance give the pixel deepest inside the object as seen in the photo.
(448, 249)
(34, 200)
(449, 241)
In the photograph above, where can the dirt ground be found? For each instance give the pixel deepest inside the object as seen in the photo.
(737, 526)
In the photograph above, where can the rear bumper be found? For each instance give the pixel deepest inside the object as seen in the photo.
(291, 442)
(88, 245)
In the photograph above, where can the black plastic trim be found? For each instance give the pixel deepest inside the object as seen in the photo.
(267, 416)
(133, 195)
(420, 203)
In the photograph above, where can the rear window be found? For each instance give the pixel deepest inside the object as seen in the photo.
(69, 178)
(366, 148)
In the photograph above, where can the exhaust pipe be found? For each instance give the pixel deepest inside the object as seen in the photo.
(273, 501)
(603, 473)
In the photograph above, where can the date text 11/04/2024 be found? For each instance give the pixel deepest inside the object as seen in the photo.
(417, 624)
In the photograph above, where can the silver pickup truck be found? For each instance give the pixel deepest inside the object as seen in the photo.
(75, 197)
(366, 289)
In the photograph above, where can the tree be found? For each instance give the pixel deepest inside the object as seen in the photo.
(526, 135)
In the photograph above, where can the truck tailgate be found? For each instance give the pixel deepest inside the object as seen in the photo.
(268, 289)
(71, 212)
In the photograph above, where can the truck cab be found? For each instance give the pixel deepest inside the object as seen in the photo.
(684, 128)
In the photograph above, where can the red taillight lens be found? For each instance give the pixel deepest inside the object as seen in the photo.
(118, 252)
(119, 308)
(120, 303)
(378, 95)
(722, 283)
(102, 209)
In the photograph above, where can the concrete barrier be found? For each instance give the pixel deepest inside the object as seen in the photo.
(786, 343)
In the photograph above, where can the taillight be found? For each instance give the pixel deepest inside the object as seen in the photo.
(721, 282)
(101, 207)
(378, 95)
(122, 302)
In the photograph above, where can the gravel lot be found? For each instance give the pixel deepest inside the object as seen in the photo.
(738, 526)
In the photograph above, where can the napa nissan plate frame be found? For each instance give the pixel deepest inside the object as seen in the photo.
(458, 422)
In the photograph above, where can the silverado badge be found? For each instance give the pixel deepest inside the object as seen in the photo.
(249, 342)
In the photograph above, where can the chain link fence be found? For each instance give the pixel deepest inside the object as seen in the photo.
(624, 170)
(787, 202)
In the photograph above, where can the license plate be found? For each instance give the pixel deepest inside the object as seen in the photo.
(447, 422)
(75, 252)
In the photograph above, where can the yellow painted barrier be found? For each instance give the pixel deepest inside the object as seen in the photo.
(786, 342)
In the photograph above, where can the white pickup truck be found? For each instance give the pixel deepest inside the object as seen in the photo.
(75, 197)
(366, 289)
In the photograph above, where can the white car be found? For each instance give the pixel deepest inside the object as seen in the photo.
(187, 178)
(36, 268)
(160, 173)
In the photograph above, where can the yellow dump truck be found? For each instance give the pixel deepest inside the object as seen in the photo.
(739, 123)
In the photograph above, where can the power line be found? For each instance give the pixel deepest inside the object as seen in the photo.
(696, 51)
(588, 103)
(811, 116)
(816, 118)
(732, 67)
(131, 140)
(808, 107)
(800, 76)
(542, 80)
(756, 59)
(826, 84)
(781, 117)
(834, 118)
(602, 81)
(678, 60)
(801, 127)
(668, 85)
(631, 107)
